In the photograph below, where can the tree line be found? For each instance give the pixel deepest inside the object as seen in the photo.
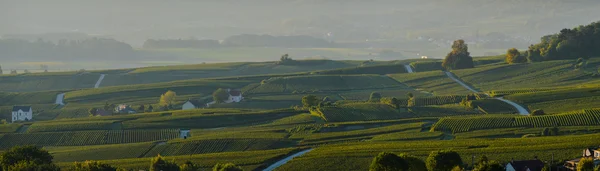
(244, 40)
(99, 49)
(578, 43)
(32, 158)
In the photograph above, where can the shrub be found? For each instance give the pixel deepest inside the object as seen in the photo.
(537, 112)
(443, 160)
(159, 164)
(92, 166)
(585, 164)
(375, 96)
(188, 166)
(226, 167)
(489, 166)
(385, 161)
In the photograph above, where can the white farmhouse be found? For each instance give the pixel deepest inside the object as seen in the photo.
(191, 104)
(22, 113)
(234, 96)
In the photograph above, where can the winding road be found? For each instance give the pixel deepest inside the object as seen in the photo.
(59, 99)
(521, 109)
(408, 68)
(99, 81)
(285, 160)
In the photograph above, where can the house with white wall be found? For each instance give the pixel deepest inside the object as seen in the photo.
(191, 104)
(22, 113)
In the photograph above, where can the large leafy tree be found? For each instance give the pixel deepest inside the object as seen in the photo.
(167, 98)
(443, 160)
(220, 95)
(414, 163)
(385, 161)
(514, 56)
(459, 57)
(310, 101)
(25, 157)
(585, 164)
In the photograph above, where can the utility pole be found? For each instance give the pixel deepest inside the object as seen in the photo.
(552, 162)
(473, 162)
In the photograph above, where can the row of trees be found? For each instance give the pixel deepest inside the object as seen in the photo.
(579, 42)
(31, 158)
(88, 49)
(445, 160)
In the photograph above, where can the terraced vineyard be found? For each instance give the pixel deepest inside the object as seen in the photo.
(336, 157)
(216, 146)
(560, 100)
(81, 138)
(524, 76)
(360, 112)
(323, 83)
(71, 126)
(435, 82)
(465, 124)
(373, 69)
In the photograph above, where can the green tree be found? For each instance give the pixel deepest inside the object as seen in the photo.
(227, 167)
(92, 111)
(159, 164)
(141, 109)
(554, 131)
(414, 163)
(189, 166)
(32, 166)
(514, 56)
(443, 160)
(483, 159)
(459, 57)
(546, 132)
(385, 161)
(457, 168)
(537, 112)
(220, 95)
(150, 108)
(26, 155)
(375, 97)
(585, 164)
(310, 101)
(167, 98)
(489, 166)
(411, 100)
(92, 166)
(0, 70)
